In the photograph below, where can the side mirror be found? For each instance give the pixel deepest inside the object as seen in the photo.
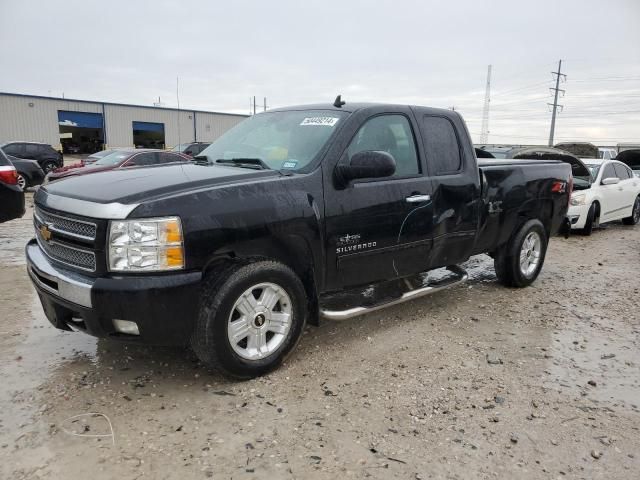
(366, 164)
(610, 181)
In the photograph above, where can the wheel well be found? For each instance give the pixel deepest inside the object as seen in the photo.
(294, 254)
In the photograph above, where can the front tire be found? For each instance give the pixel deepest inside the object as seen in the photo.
(519, 263)
(251, 317)
(593, 220)
(635, 214)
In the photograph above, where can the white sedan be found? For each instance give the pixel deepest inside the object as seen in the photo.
(612, 193)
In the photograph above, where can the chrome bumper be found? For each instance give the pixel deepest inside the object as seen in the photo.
(64, 284)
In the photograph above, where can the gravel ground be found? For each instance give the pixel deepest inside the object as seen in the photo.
(475, 382)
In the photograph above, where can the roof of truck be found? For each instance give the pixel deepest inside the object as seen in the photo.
(351, 107)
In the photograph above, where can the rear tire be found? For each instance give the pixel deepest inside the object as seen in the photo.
(635, 214)
(518, 264)
(22, 181)
(49, 167)
(251, 317)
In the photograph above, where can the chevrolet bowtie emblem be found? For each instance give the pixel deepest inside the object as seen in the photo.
(45, 232)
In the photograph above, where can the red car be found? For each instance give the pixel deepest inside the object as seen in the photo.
(119, 159)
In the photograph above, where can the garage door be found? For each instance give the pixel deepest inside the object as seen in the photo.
(80, 132)
(148, 135)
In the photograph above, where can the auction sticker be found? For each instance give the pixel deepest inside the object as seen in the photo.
(323, 121)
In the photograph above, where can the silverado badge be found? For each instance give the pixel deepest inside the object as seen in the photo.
(45, 232)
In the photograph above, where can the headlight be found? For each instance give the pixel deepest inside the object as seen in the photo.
(578, 199)
(146, 244)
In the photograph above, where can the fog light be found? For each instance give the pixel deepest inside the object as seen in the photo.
(125, 326)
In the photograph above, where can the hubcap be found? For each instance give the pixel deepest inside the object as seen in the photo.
(22, 183)
(530, 254)
(259, 321)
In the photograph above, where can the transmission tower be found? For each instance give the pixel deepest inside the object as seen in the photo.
(555, 105)
(484, 131)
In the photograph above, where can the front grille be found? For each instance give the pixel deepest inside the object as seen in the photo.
(72, 256)
(72, 227)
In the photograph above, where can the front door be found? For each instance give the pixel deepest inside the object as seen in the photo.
(380, 229)
(613, 201)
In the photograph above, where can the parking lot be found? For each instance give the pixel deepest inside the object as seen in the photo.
(476, 382)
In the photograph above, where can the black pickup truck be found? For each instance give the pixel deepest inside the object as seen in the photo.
(234, 252)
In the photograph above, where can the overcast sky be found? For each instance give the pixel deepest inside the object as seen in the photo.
(431, 53)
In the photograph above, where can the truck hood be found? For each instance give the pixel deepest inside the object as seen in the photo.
(136, 185)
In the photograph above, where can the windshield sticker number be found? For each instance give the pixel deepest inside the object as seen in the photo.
(322, 121)
(290, 164)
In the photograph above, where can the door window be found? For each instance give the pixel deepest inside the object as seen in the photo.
(391, 134)
(441, 145)
(609, 171)
(621, 171)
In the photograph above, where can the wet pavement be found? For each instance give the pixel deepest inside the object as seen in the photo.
(474, 382)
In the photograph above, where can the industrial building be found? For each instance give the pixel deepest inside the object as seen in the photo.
(80, 126)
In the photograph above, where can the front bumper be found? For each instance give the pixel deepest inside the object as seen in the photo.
(577, 214)
(164, 307)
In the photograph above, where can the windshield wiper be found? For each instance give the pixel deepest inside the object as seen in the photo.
(254, 163)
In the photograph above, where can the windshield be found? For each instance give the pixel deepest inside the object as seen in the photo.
(180, 147)
(498, 153)
(594, 169)
(113, 158)
(281, 140)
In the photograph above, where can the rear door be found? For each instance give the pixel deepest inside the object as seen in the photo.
(380, 228)
(456, 189)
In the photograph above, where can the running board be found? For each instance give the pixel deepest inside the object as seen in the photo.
(460, 275)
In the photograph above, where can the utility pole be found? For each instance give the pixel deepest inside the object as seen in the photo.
(558, 74)
(254, 104)
(265, 104)
(484, 131)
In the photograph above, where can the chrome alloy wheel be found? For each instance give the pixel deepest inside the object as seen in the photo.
(259, 321)
(530, 254)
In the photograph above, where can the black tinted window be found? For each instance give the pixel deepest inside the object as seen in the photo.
(441, 145)
(609, 172)
(12, 149)
(621, 171)
(391, 134)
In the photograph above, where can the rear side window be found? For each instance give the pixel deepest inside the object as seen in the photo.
(31, 149)
(143, 159)
(609, 171)
(170, 157)
(441, 145)
(621, 171)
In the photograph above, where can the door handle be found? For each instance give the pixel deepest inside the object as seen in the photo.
(418, 198)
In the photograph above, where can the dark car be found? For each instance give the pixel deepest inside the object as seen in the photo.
(11, 195)
(192, 149)
(119, 159)
(285, 219)
(29, 172)
(47, 157)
